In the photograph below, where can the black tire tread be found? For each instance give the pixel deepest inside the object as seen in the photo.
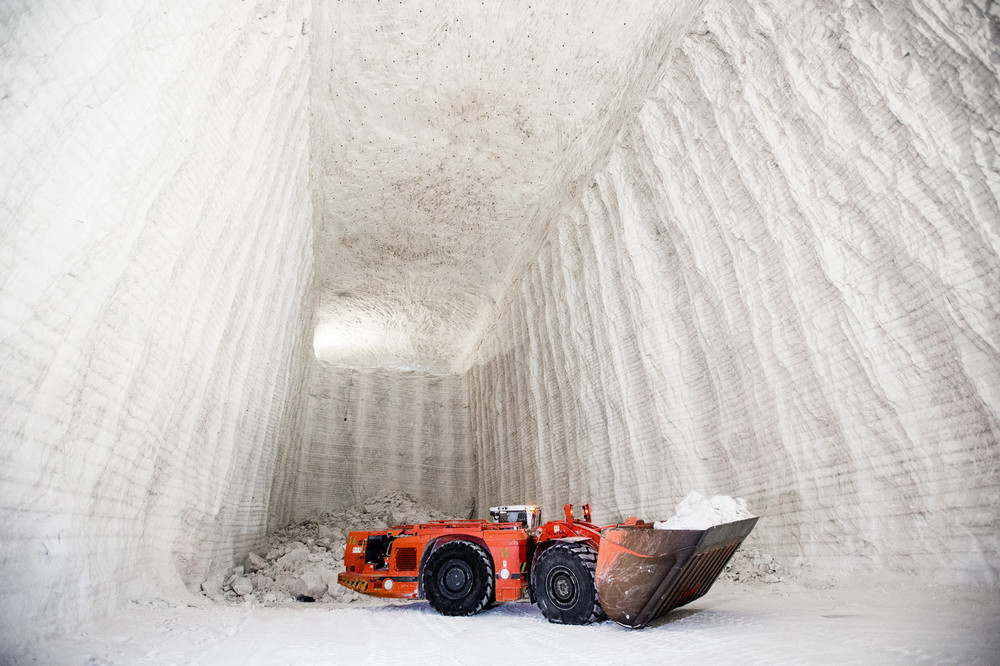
(486, 565)
(588, 557)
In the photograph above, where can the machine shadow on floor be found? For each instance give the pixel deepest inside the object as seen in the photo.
(519, 609)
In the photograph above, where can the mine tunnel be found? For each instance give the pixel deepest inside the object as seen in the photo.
(267, 260)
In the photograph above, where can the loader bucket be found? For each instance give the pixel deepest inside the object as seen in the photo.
(644, 573)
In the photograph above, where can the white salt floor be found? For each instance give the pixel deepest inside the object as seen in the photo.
(866, 623)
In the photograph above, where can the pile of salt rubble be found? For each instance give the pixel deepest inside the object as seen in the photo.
(301, 561)
(696, 512)
(751, 565)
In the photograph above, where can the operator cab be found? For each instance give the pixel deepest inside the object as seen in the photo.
(528, 515)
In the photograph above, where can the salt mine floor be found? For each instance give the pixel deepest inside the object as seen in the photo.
(864, 622)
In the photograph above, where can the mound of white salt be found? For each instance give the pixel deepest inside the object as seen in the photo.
(696, 512)
(300, 562)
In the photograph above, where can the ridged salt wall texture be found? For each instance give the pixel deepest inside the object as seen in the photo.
(784, 285)
(155, 260)
(386, 429)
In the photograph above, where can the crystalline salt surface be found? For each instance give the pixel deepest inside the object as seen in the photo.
(696, 512)
(302, 560)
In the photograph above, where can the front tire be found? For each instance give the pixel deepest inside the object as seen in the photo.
(458, 579)
(563, 581)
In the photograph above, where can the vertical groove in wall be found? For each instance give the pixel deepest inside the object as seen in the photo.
(370, 430)
(781, 286)
(155, 263)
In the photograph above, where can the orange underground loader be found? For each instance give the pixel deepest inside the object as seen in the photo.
(577, 572)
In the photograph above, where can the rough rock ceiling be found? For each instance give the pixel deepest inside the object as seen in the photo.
(444, 136)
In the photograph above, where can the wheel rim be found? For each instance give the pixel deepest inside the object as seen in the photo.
(562, 587)
(455, 579)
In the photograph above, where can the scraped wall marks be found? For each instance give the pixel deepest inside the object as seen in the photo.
(777, 279)
(783, 286)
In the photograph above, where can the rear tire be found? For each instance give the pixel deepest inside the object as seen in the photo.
(458, 579)
(563, 581)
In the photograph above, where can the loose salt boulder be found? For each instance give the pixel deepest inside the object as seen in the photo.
(212, 584)
(292, 559)
(309, 584)
(409, 515)
(255, 562)
(242, 586)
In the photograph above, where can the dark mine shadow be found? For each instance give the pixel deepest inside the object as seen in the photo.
(409, 607)
(422, 607)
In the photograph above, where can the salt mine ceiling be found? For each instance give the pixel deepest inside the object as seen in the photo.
(445, 136)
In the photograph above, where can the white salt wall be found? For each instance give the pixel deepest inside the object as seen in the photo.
(780, 283)
(783, 286)
(384, 429)
(155, 251)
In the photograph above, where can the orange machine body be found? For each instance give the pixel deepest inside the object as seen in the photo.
(388, 563)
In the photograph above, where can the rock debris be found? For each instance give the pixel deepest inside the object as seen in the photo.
(301, 561)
